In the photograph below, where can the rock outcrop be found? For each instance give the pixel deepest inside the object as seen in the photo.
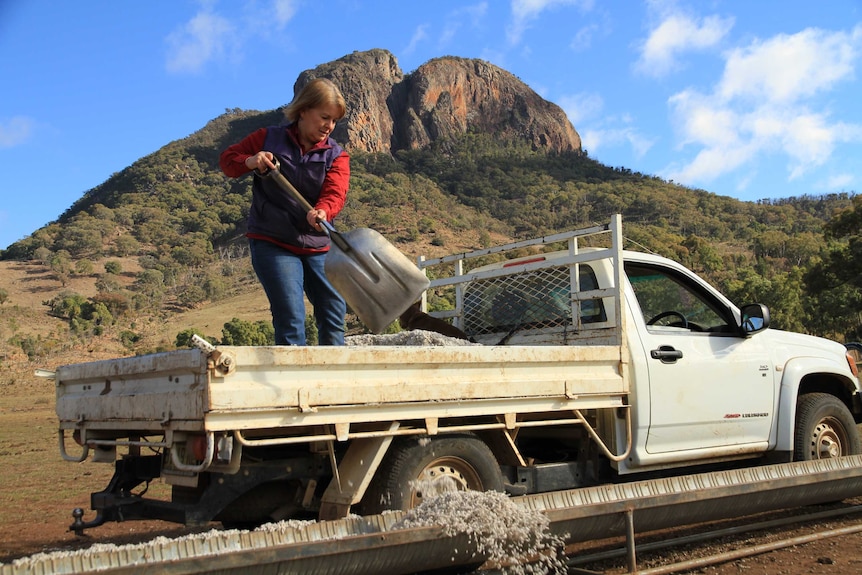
(366, 79)
(443, 98)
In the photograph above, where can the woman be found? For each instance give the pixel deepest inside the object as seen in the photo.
(288, 246)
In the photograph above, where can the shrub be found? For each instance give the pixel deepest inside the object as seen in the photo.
(184, 338)
(129, 338)
(240, 332)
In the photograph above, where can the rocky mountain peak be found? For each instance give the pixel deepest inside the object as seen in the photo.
(443, 98)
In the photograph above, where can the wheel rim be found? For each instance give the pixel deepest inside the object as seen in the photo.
(442, 475)
(828, 440)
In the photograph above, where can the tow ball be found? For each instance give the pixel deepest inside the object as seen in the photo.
(79, 524)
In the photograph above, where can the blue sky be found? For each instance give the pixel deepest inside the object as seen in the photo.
(750, 99)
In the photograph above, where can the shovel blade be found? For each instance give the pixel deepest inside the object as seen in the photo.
(376, 280)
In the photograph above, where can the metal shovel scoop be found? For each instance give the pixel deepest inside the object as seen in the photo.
(376, 280)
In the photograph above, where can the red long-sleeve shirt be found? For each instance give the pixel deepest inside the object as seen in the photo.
(333, 194)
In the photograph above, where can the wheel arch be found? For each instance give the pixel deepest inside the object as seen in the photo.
(825, 428)
(801, 377)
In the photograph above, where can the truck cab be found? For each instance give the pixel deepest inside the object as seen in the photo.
(709, 381)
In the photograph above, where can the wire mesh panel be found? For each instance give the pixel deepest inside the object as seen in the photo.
(530, 300)
(547, 298)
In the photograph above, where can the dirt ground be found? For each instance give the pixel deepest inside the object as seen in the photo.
(38, 490)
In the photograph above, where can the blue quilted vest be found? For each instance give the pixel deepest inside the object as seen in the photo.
(274, 213)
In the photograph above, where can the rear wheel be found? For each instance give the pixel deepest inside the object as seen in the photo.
(416, 470)
(824, 428)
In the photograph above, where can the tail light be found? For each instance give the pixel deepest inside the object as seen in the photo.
(196, 446)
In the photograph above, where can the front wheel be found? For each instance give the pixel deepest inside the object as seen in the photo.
(416, 470)
(824, 428)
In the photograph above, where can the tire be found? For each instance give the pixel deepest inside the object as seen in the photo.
(824, 428)
(415, 470)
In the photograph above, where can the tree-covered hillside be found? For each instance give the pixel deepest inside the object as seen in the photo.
(183, 221)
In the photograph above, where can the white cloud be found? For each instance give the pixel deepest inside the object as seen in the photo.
(710, 163)
(419, 34)
(209, 36)
(581, 106)
(789, 67)
(767, 102)
(449, 31)
(15, 131)
(839, 181)
(702, 120)
(472, 15)
(583, 38)
(284, 11)
(745, 181)
(675, 35)
(525, 11)
(541, 90)
(808, 140)
(476, 13)
(594, 139)
(200, 40)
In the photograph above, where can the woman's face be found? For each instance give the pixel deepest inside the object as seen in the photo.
(315, 124)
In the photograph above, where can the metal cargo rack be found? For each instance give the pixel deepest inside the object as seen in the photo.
(537, 299)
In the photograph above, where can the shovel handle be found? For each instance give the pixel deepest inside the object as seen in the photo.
(285, 185)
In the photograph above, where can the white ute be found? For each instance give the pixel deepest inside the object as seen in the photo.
(589, 365)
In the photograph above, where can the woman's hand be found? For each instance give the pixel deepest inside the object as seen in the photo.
(261, 161)
(314, 218)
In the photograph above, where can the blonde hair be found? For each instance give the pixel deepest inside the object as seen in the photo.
(318, 92)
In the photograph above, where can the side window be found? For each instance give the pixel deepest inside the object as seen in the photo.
(668, 303)
(592, 311)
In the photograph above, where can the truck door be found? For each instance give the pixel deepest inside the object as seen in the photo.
(709, 387)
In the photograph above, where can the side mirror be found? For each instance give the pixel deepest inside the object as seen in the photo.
(754, 317)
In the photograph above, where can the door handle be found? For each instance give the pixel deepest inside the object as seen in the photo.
(666, 354)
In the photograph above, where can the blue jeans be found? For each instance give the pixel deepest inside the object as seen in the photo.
(284, 277)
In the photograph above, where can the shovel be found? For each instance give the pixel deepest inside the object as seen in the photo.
(377, 281)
